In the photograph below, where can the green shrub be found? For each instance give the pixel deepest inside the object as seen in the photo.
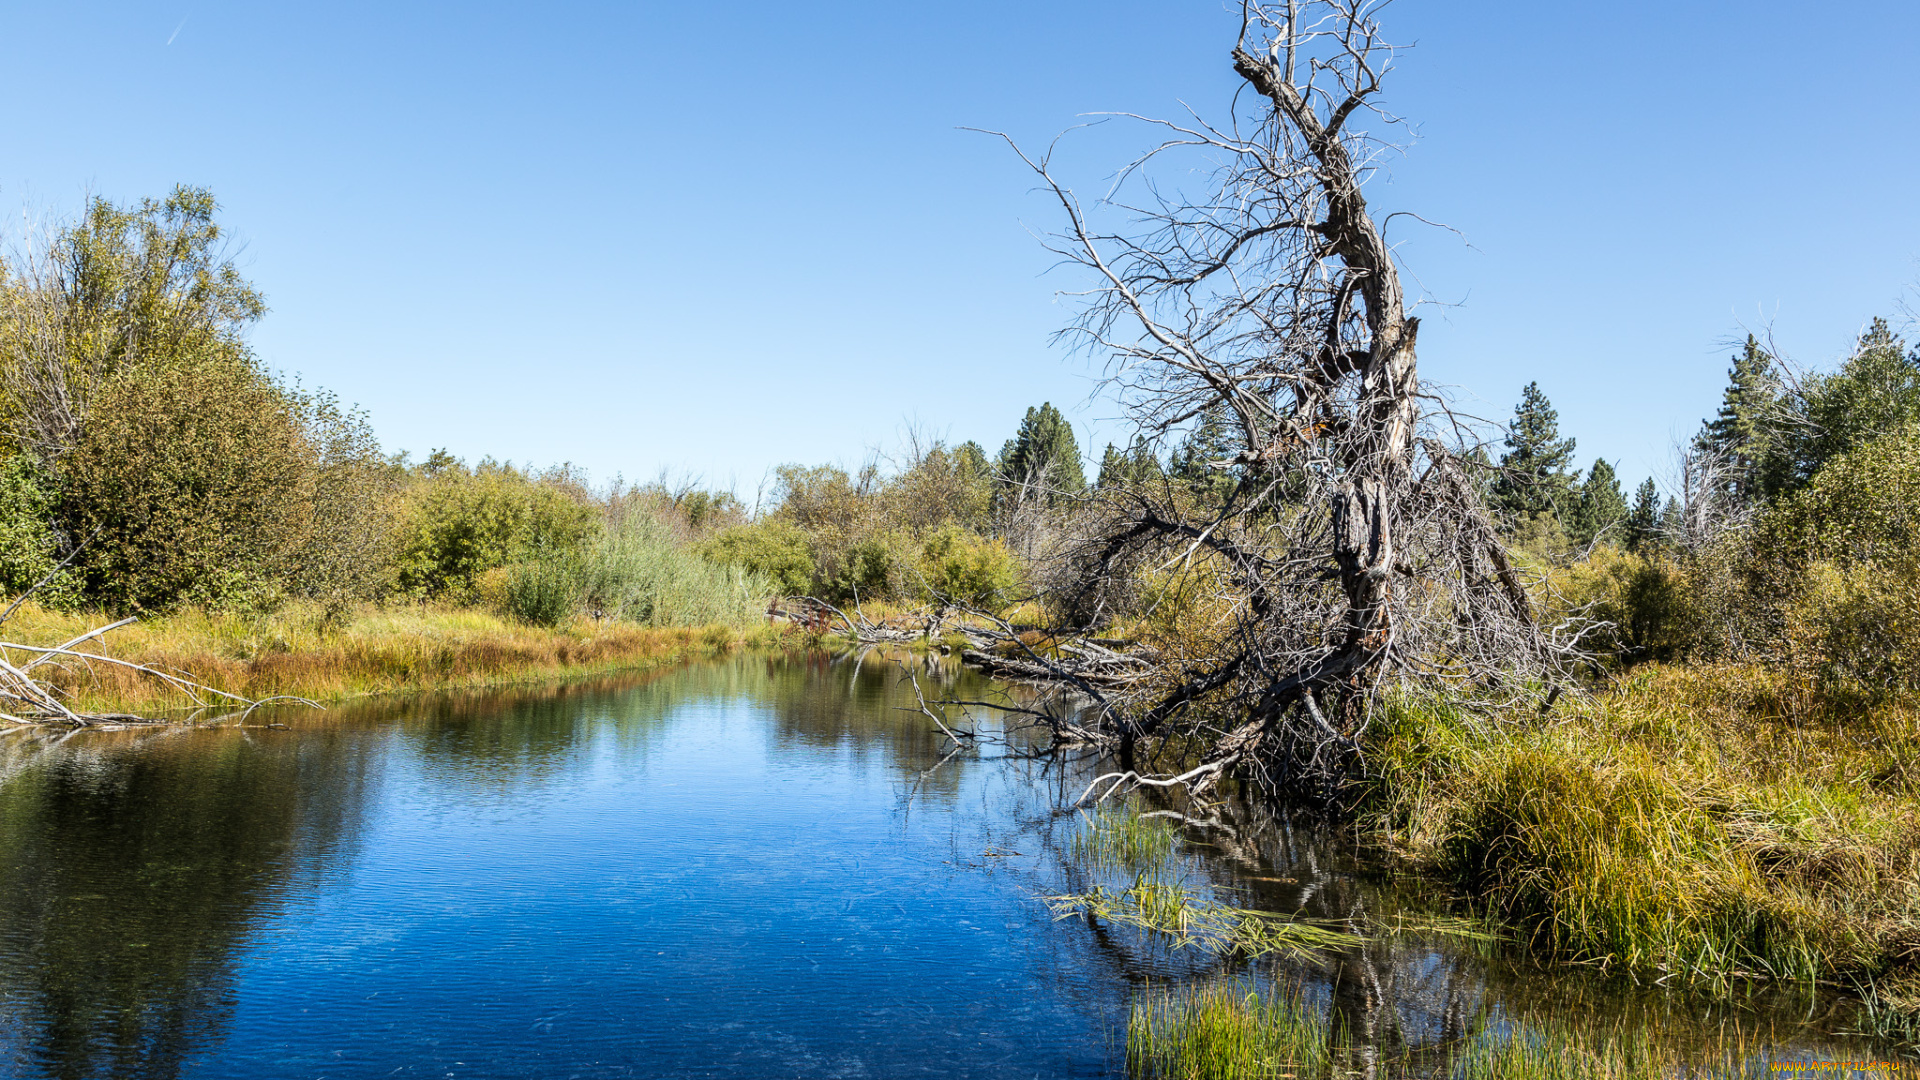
(197, 479)
(457, 523)
(774, 548)
(1856, 622)
(545, 589)
(635, 569)
(348, 556)
(878, 566)
(958, 565)
(1837, 563)
(1640, 600)
(28, 549)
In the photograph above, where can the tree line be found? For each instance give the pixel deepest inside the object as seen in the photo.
(150, 460)
(153, 461)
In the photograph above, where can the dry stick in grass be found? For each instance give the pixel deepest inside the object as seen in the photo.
(16, 684)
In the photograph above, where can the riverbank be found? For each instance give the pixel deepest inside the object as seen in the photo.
(1707, 823)
(300, 651)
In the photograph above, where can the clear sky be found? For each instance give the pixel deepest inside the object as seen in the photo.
(714, 237)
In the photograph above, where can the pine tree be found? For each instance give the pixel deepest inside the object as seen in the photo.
(1742, 433)
(1643, 521)
(1534, 478)
(1113, 469)
(1211, 440)
(971, 460)
(1043, 454)
(1673, 522)
(1602, 505)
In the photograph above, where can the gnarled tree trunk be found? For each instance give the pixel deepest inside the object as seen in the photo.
(1352, 553)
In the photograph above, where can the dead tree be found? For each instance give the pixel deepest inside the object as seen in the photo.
(1352, 552)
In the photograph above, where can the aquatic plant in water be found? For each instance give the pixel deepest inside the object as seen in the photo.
(1157, 905)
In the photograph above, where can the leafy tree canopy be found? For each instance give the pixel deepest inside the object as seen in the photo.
(1874, 394)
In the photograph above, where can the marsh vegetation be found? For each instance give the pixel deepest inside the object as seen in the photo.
(1671, 732)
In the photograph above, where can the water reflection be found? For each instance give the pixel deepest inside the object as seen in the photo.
(764, 866)
(132, 865)
(1403, 1003)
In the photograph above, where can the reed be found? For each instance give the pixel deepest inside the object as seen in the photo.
(1226, 1031)
(1521, 1052)
(1123, 839)
(1240, 1029)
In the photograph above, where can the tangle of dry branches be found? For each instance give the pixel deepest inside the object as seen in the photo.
(1352, 553)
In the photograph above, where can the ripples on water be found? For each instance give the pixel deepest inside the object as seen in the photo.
(758, 867)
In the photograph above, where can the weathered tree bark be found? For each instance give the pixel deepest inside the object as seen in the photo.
(1352, 553)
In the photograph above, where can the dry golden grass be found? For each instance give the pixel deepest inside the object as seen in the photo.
(299, 651)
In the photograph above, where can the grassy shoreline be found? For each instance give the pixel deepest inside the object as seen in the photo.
(299, 651)
(1711, 823)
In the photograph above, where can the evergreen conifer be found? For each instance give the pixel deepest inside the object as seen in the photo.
(1044, 454)
(1602, 505)
(1211, 440)
(1741, 433)
(1533, 477)
(1643, 521)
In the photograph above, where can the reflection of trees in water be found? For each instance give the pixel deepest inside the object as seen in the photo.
(1409, 999)
(508, 739)
(866, 710)
(132, 864)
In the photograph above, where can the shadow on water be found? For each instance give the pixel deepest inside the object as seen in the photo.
(758, 866)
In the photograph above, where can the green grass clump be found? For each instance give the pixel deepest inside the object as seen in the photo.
(1225, 1031)
(1717, 824)
(1169, 908)
(1528, 1053)
(637, 571)
(1233, 1029)
(1124, 839)
(632, 570)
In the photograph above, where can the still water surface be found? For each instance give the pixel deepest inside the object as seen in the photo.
(750, 868)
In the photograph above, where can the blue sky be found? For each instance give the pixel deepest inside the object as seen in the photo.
(711, 238)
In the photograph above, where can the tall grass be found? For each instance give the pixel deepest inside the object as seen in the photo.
(1237, 1030)
(637, 571)
(1714, 824)
(1123, 839)
(633, 570)
(1226, 1031)
(306, 650)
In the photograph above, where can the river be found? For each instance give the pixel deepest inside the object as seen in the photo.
(755, 867)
